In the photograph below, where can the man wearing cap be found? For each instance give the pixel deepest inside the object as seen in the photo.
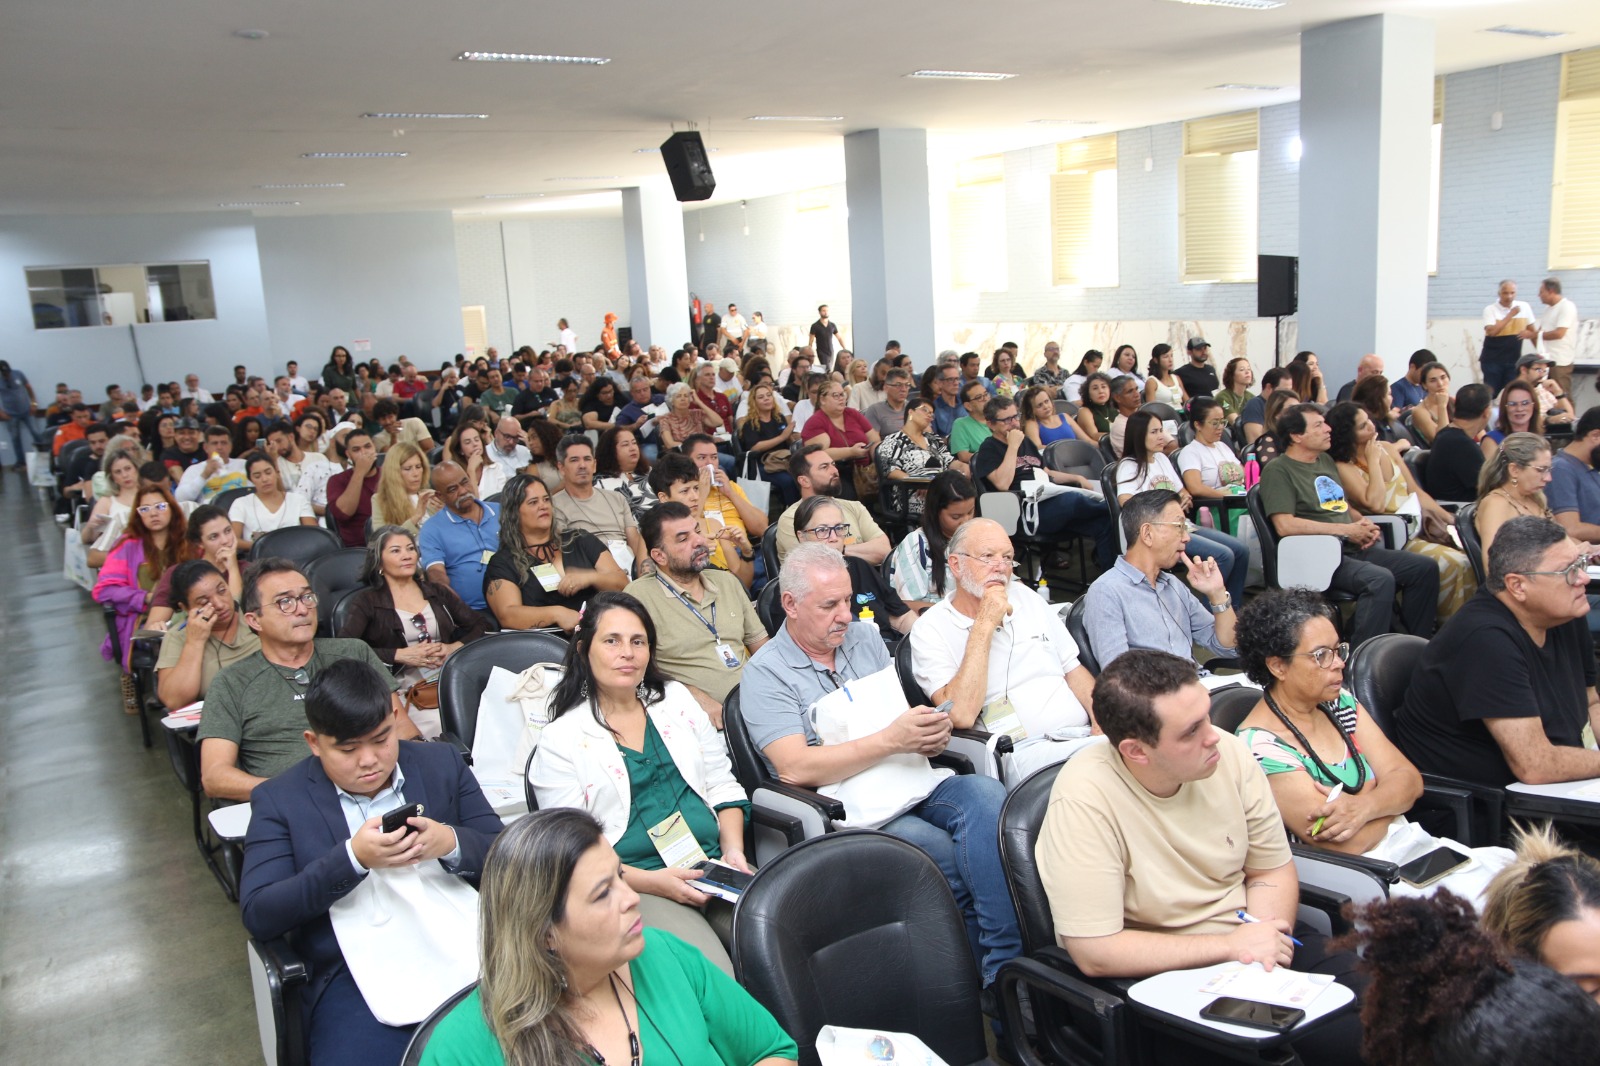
(1199, 377)
(733, 328)
(1554, 403)
(186, 451)
(728, 381)
(1504, 323)
(1556, 332)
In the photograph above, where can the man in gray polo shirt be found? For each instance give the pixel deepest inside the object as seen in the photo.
(254, 720)
(1138, 604)
(820, 652)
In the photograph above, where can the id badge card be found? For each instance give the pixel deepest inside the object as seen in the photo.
(1000, 716)
(729, 658)
(674, 843)
(548, 578)
(483, 560)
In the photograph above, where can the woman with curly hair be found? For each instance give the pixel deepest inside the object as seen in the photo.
(1545, 906)
(1444, 994)
(1310, 736)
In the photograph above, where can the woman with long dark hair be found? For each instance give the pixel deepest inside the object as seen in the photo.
(338, 373)
(615, 711)
(918, 568)
(539, 577)
(570, 974)
(620, 465)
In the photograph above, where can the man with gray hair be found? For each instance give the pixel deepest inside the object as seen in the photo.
(889, 414)
(819, 701)
(1503, 692)
(1002, 656)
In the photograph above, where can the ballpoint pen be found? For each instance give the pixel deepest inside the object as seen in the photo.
(1250, 919)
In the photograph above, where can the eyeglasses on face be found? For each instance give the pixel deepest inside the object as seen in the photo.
(1517, 403)
(286, 603)
(1325, 656)
(830, 532)
(1576, 574)
(1000, 561)
(152, 508)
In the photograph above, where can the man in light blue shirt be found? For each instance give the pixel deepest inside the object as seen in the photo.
(947, 405)
(1574, 490)
(1138, 604)
(457, 542)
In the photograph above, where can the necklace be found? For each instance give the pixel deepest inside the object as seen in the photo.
(633, 1037)
(1349, 745)
(1519, 506)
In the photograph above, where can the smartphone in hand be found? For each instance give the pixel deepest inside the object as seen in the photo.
(396, 819)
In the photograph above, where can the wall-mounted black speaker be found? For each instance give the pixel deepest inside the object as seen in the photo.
(624, 335)
(1277, 285)
(688, 166)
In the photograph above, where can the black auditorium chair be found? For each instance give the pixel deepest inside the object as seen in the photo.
(223, 501)
(1079, 632)
(769, 606)
(1471, 543)
(332, 576)
(896, 958)
(987, 751)
(424, 1031)
(466, 673)
(299, 544)
(769, 552)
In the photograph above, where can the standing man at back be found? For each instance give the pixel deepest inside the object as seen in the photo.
(1556, 332)
(1504, 323)
(823, 333)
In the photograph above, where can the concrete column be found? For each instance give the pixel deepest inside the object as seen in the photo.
(891, 249)
(1366, 105)
(658, 272)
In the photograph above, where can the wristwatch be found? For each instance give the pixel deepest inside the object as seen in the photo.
(1224, 607)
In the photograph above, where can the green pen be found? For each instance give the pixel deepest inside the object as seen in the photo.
(1338, 790)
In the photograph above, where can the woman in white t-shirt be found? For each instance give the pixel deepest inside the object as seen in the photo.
(1209, 467)
(269, 507)
(1145, 466)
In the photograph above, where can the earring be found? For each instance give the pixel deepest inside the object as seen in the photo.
(1513, 481)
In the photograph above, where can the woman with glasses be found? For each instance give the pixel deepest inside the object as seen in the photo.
(637, 752)
(1377, 481)
(1210, 469)
(1519, 412)
(918, 569)
(1144, 466)
(818, 520)
(1311, 736)
(848, 436)
(916, 453)
(1437, 406)
(540, 577)
(151, 543)
(411, 623)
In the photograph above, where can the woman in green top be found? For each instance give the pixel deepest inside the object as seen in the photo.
(570, 975)
(1237, 377)
(338, 373)
(1310, 735)
(1096, 412)
(638, 753)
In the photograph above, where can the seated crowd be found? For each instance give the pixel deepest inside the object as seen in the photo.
(614, 499)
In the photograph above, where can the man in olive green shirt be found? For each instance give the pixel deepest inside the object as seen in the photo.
(970, 430)
(706, 626)
(254, 719)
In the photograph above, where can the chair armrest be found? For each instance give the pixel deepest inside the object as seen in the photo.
(1100, 1010)
(456, 743)
(1002, 746)
(1488, 807)
(1457, 802)
(1329, 881)
(830, 808)
(281, 957)
(955, 761)
(1378, 868)
(787, 824)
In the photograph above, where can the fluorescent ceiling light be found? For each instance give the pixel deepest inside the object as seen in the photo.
(354, 155)
(1242, 87)
(795, 118)
(418, 114)
(510, 195)
(531, 57)
(263, 203)
(961, 75)
(589, 177)
(1253, 5)
(1523, 31)
(303, 185)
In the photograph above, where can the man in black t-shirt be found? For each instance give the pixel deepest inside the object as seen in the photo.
(1504, 691)
(1457, 455)
(1008, 458)
(533, 400)
(822, 334)
(186, 452)
(1199, 377)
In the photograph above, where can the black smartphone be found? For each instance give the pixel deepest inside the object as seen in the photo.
(1248, 1012)
(396, 819)
(726, 876)
(1420, 873)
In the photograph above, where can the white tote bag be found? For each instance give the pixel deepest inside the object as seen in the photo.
(758, 492)
(410, 937)
(512, 712)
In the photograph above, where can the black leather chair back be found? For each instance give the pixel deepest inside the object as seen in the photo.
(1107, 452)
(1021, 819)
(1164, 411)
(1380, 672)
(1230, 706)
(1075, 457)
(467, 672)
(332, 576)
(342, 608)
(301, 544)
(748, 765)
(859, 929)
(1079, 631)
(1417, 460)
(1108, 489)
(769, 551)
(424, 1032)
(908, 682)
(223, 501)
(1266, 533)
(1467, 530)
(769, 605)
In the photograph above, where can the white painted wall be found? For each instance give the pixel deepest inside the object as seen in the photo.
(92, 357)
(572, 268)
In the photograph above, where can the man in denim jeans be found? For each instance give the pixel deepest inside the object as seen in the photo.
(820, 652)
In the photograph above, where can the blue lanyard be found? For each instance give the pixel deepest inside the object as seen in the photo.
(711, 625)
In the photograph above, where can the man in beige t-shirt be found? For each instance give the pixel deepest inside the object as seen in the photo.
(817, 474)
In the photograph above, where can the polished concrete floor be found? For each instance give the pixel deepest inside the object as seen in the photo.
(116, 944)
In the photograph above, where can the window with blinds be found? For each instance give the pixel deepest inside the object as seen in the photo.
(1218, 187)
(978, 225)
(1083, 213)
(1575, 203)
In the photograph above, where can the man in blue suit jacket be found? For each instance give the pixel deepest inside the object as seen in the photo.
(316, 830)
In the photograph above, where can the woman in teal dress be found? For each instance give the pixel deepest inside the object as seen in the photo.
(570, 974)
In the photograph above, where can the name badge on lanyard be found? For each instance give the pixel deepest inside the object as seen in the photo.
(674, 843)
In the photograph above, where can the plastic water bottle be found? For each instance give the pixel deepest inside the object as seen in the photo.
(1044, 590)
(866, 614)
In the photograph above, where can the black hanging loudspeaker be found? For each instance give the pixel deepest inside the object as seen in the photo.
(687, 166)
(1277, 285)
